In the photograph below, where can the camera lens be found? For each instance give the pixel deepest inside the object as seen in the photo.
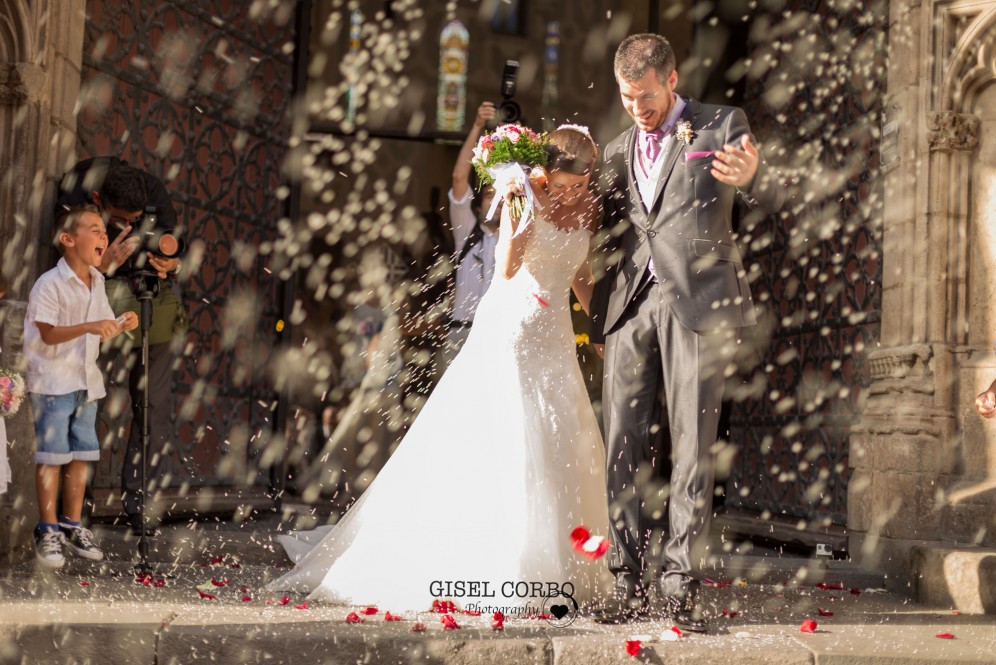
(169, 245)
(509, 111)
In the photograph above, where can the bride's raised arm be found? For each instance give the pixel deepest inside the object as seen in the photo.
(510, 248)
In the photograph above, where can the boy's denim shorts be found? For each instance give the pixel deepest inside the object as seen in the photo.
(65, 428)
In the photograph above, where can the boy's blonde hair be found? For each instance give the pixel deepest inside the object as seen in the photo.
(69, 218)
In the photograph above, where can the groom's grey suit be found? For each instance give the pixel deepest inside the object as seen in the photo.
(670, 336)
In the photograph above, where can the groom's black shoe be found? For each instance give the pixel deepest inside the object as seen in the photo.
(684, 610)
(627, 604)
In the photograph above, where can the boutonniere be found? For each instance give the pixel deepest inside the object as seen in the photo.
(683, 132)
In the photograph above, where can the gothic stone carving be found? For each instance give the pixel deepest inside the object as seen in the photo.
(948, 130)
(12, 89)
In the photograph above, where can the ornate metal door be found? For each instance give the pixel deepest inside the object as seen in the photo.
(198, 93)
(820, 267)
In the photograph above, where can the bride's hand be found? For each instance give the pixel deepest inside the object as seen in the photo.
(514, 188)
(537, 182)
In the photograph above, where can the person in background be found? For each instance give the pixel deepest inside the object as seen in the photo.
(125, 195)
(474, 238)
(68, 317)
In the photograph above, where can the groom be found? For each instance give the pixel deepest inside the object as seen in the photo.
(668, 308)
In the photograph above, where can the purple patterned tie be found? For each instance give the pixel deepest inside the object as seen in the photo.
(651, 145)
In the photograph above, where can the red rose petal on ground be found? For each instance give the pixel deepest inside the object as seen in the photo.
(217, 583)
(499, 621)
(418, 628)
(955, 612)
(244, 589)
(808, 626)
(449, 623)
(207, 595)
(369, 610)
(443, 606)
(268, 601)
(353, 617)
(285, 600)
(217, 559)
(946, 636)
(633, 647)
(236, 565)
(824, 613)
(161, 582)
(542, 302)
(143, 578)
(302, 606)
(677, 631)
(856, 591)
(84, 583)
(579, 535)
(830, 587)
(391, 617)
(246, 599)
(729, 613)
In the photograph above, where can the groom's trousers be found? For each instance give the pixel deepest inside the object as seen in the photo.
(661, 402)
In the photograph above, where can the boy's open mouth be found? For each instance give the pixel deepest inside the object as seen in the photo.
(100, 251)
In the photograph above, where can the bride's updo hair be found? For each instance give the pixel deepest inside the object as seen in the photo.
(572, 150)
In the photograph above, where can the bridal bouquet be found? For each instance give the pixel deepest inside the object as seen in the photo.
(11, 392)
(502, 158)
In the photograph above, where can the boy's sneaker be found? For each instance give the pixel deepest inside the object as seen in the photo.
(80, 541)
(48, 548)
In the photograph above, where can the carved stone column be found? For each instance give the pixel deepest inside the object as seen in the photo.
(922, 495)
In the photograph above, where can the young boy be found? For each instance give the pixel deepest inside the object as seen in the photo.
(67, 318)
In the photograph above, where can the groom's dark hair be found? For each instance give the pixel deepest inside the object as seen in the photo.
(638, 53)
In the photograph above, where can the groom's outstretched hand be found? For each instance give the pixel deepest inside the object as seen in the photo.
(736, 165)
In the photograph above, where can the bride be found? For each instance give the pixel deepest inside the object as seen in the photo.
(478, 502)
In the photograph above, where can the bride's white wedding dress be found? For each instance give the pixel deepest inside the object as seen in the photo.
(502, 463)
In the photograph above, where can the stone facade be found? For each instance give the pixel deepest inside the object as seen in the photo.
(40, 60)
(922, 498)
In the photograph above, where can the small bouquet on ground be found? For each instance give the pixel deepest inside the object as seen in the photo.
(11, 392)
(503, 158)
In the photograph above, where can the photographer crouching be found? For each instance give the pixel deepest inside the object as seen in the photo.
(143, 258)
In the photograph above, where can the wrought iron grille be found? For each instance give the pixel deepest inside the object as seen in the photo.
(198, 94)
(822, 271)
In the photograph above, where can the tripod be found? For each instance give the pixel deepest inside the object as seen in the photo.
(145, 286)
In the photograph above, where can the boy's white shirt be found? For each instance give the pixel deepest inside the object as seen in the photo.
(60, 298)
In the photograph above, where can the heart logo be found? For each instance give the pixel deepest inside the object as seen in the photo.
(559, 611)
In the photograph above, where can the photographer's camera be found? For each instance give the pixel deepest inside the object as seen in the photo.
(161, 243)
(509, 110)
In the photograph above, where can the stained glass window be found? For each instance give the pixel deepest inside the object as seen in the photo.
(451, 100)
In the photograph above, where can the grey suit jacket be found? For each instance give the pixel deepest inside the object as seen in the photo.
(687, 231)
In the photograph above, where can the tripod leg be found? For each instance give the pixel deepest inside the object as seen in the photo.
(145, 298)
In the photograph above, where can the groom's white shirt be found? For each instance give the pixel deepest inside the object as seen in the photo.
(647, 182)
